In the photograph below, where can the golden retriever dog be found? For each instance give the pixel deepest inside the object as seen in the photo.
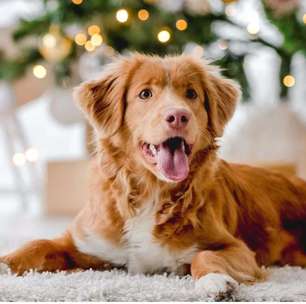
(161, 199)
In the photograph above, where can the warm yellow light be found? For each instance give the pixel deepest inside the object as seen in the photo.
(39, 71)
(143, 15)
(304, 18)
(77, 2)
(253, 28)
(96, 39)
(49, 41)
(89, 46)
(31, 155)
(181, 24)
(93, 29)
(164, 36)
(289, 81)
(19, 159)
(80, 38)
(122, 15)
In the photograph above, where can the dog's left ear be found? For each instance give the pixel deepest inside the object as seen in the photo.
(102, 100)
(221, 99)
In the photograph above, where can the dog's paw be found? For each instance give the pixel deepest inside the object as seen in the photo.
(216, 285)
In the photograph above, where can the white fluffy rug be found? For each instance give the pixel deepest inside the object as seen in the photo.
(284, 284)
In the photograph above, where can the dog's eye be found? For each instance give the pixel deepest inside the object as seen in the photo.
(145, 94)
(191, 94)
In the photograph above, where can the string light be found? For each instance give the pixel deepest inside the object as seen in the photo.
(77, 2)
(93, 29)
(163, 36)
(304, 18)
(80, 38)
(89, 46)
(54, 46)
(122, 15)
(31, 155)
(19, 159)
(143, 15)
(181, 24)
(39, 71)
(96, 39)
(253, 28)
(289, 81)
(49, 41)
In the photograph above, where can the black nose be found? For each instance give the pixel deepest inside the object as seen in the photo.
(177, 118)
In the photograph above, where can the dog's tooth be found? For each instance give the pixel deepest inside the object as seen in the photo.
(153, 149)
(183, 146)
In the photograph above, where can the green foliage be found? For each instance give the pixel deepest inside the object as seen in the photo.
(141, 36)
(294, 40)
(11, 69)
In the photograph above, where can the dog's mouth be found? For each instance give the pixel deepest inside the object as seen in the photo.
(170, 157)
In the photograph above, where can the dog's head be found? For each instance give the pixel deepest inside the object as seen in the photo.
(160, 110)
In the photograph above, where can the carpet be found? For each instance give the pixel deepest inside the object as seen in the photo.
(283, 284)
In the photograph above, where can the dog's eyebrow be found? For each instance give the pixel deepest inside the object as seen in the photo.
(152, 80)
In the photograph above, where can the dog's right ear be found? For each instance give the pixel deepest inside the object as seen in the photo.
(102, 100)
(222, 98)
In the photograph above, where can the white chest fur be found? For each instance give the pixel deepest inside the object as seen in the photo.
(139, 251)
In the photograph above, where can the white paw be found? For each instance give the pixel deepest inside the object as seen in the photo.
(4, 269)
(216, 284)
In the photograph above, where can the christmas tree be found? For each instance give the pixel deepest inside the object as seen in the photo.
(69, 28)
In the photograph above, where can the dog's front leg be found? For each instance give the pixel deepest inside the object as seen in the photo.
(50, 255)
(220, 271)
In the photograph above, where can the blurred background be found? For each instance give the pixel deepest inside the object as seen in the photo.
(49, 46)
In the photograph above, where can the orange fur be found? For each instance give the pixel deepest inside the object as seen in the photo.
(239, 217)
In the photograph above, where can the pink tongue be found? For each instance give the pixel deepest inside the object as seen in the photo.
(173, 165)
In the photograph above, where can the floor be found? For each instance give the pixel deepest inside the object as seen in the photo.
(283, 284)
(17, 229)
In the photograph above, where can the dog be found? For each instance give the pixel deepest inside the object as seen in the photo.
(161, 198)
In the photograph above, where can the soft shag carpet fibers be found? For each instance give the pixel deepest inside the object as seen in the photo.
(283, 284)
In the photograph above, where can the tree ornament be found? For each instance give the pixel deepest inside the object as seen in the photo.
(53, 46)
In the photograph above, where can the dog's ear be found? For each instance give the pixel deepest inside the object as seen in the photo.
(221, 98)
(102, 100)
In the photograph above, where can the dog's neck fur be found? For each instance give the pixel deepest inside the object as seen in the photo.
(133, 186)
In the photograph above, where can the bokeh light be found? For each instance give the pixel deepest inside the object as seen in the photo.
(164, 36)
(143, 15)
(289, 81)
(80, 38)
(122, 15)
(181, 24)
(39, 71)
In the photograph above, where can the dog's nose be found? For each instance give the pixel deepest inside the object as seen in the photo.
(177, 118)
